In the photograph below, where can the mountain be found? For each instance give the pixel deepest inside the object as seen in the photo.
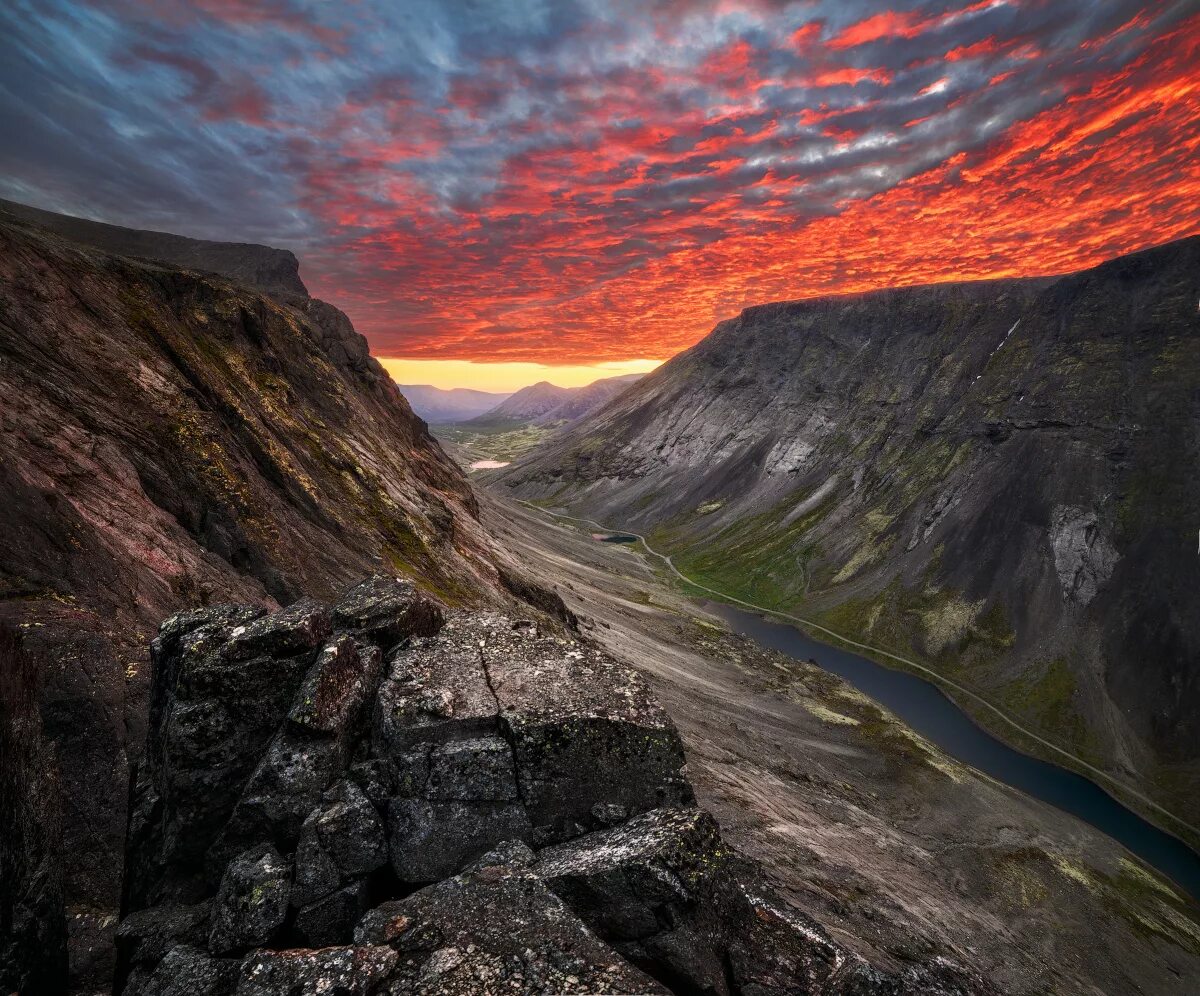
(439, 406)
(172, 438)
(543, 403)
(274, 270)
(996, 479)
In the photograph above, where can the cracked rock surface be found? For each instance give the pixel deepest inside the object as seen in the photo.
(385, 797)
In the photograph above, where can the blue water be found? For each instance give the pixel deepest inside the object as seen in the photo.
(926, 709)
(619, 538)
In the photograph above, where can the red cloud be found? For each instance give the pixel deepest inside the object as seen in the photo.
(630, 224)
(901, 24)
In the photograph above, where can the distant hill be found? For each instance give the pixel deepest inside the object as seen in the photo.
(276, 271)
(439, 406)
(543, 403)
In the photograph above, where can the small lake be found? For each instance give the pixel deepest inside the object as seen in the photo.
(489, 464)
(614, 538)
(927, 710)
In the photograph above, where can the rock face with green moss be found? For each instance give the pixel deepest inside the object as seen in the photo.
(169, 438)
(998, 479)
(541, 834)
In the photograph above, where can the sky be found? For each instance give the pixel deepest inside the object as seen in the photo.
(586, 182)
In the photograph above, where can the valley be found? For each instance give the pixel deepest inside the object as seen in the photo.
(856, 815)
(569, 498)
(919, 846)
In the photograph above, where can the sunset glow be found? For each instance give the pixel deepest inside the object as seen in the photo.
(572, 184)
(506, 377)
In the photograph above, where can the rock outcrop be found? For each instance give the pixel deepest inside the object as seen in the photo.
(997, 479)
(386, 796)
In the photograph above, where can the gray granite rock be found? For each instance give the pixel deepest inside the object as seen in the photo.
(252, 902)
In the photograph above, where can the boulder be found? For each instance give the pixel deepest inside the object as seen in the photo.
(308, 752)
(147, 936)
(435, 690)
(330, 919)
(585, 731)
(669, 895)
(454, 801)
(385, 610)
(185, 971)
(495, 928)
(652, 888)
(347, 829)
(346, 971)
(281, 792)
(216, 704)
(252, 903)
(299, 628)
(341, 844)
(333, 695)
(497, 731)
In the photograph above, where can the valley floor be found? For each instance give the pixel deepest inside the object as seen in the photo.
(897, 849)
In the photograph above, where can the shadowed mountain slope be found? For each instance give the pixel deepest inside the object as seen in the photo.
(999, 479)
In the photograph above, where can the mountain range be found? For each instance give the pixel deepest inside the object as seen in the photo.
(440, 406)
(540, 404)
(996, 479)
(546, 404)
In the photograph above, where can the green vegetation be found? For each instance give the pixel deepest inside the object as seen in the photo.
(1046, 696)
(502, 440)
(757, 558)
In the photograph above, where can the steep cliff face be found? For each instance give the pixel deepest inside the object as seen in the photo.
(173, 438)
(379, 796)
(1000, 479)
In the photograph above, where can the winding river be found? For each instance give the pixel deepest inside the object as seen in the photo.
(924, 707)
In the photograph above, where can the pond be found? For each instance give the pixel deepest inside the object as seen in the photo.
(614, 538)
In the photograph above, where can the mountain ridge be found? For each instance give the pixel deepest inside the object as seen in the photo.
(544, 403)
(276, 271)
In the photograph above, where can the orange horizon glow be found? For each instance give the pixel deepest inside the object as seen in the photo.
(505, 378)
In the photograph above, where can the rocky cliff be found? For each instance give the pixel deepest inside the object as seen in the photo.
(998, 479)
(381, 796)
(171, 438)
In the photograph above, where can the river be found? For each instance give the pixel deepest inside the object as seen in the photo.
(927, 710)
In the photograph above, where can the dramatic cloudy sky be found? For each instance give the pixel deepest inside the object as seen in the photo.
(579, 181)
